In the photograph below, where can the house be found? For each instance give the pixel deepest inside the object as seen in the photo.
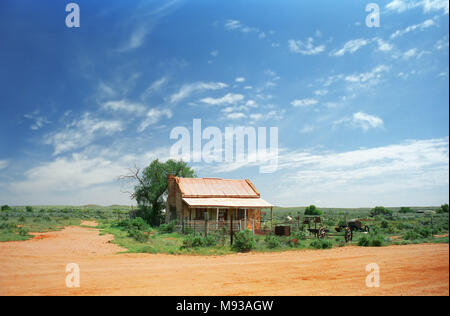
(214, 199)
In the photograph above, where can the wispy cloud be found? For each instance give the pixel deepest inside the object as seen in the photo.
(82, 132)
(350, 47)
(368, 78)
(421, 26)
(38, 120)
(156, 86)
(154, 116)
(426, 5)
(229, 98)
(361, 120)
(187, 89)
(304, 102)
(305, 47)
(124, 106)
(3, 164)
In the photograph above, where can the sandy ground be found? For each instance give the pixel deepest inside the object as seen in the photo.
(37, 267)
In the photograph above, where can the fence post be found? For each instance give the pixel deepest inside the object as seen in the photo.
(231, 230)
(253, 226)
(206, 224)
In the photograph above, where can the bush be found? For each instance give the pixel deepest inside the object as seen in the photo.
(312, 210)
(371, 240)
(411, 235)
(29, 209)
(321, 244)
(272, 241)
(384, 224)
(244, 241)
(405, 210)
(137, 223)
(300, 235)
(167, 228)
(5, 208)
(22, 231)
(138, 235)
(380, 210)
(195, 241)
(443, 209)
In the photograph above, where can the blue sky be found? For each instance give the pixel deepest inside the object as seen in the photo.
(362, 113)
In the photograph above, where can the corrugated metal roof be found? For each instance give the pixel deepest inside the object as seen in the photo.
(227, 202)
(215, 187)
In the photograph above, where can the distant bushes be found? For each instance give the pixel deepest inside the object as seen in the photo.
(167, 228)
(405, 210)
(312, 210)
(272, 241)
(380, 211)
(5, 208)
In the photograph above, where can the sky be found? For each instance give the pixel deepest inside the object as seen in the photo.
(362, 112)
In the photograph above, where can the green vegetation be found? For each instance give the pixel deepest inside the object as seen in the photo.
(312, 210)
(396, 227)
(151, 186)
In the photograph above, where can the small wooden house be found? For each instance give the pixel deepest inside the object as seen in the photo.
(214, 199)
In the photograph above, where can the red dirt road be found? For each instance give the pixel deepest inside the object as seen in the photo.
(37, 267)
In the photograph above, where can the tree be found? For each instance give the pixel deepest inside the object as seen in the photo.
(312, 210)
(5, 208)
(380, 210)
(444, 208)
(405, 210)
(150, 186)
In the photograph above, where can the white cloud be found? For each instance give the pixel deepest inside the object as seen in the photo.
(366, 121)
(382, 45)
(350, 47)
(321, 92)
(124, 106)
(187, 89)
(410, 53)
(3, 164)
(233, 24)
(442, 43)
(215, 53)
(427, 5)
(229, 98)
(154, 116)
(421, 26)
(307, 129)
(271, 115)
(305, 48)
(239, 79)
(155, 87)
(38, 120)
(82, 132)
(236, 116)
(368, 78)
(304, 102)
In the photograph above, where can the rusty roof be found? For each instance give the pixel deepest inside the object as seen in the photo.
(227, 202)
(216, 188)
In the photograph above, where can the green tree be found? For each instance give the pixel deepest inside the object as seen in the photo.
(444, 208)
(151, 186)
(404, 209)
(312, 210)
(5, 208)
(380, 210)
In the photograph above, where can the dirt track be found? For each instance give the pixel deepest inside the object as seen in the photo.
(37, 267)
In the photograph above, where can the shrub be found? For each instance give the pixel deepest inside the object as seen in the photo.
(244, 241)
(405, 210)
(312, 210)
(193, 241)
(6, 208)
(294, 242)
(443, 209)
(22, 231)
(138, 235)
(29, 209)
(209, 241)
(380, 210)
(137, 223)
(411, 235)
(22, 219)
(371, 240)
(272, 241)
(321, 244)
(167, 228)
(300, 235)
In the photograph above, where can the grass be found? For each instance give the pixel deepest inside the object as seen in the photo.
(398, 229)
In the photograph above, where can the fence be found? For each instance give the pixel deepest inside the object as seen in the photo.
(213, 226)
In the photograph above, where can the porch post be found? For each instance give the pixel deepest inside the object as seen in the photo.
(271, 218)
(217, 219)
(245, 218)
